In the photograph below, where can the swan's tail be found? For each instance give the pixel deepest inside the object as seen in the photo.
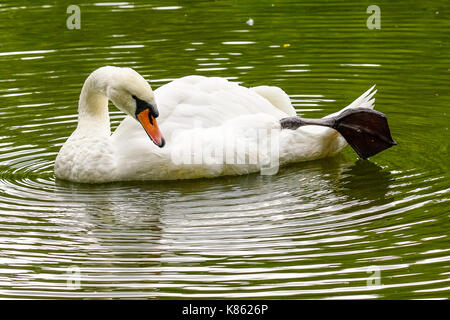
(366, 100)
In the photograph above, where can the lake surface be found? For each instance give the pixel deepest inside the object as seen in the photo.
(335, 228)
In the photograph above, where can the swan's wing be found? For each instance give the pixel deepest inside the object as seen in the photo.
(208, 102)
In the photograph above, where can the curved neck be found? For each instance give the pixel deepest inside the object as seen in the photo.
(93, 115)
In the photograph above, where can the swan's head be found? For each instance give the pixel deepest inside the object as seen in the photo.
(132, 94)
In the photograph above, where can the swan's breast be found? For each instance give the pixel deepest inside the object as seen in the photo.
(86, 160)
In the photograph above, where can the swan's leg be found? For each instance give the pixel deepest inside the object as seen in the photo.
(365, 130)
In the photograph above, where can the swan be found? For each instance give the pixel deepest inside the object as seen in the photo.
(192, 127)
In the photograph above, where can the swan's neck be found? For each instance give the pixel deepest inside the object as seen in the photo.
(93, 115)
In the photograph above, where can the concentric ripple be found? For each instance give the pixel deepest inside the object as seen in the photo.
(334, 228)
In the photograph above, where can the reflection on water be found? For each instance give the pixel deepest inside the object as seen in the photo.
(315, 230)
(366, 180)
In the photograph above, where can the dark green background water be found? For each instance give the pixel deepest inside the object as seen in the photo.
(312, 231)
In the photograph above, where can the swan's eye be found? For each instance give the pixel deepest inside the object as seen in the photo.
(141, 105)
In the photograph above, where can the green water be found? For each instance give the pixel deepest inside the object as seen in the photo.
(316, 230)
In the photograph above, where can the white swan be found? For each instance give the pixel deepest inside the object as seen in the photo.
(211, 127)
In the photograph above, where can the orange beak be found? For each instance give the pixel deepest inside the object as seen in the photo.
(151, 127)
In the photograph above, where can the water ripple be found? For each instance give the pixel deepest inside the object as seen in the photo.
(315, 230)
